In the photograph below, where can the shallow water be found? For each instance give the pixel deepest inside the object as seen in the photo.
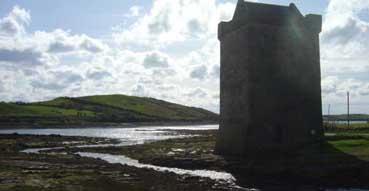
(128, 136)
(345, 122)
(131, 162)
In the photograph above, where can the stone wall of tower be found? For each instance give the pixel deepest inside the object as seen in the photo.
(270, 98)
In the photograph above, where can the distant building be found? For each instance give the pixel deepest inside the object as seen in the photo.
(270, 92)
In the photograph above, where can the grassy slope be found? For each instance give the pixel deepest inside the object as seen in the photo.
(11, 109)
(105, 108)
(150, 106)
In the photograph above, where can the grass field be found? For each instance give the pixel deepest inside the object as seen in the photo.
(10, 109)
(343, 117)
(103, 108)
(352, 125)
(149, 106)
(357, 147)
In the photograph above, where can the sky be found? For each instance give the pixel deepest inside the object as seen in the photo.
(166, 49)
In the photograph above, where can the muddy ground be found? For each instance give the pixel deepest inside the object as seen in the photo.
(340, 162)
(67, 172)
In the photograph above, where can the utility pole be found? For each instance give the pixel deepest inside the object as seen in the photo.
(329, 111)
(348, 110)
(328, 116)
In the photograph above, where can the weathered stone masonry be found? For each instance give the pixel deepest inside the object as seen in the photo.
(270, 92)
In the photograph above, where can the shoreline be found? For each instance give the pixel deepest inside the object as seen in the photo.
(315, 168)
(104, 125)
(64, 170)
(312, 169)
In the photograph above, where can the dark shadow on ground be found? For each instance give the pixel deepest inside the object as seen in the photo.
(313, 168)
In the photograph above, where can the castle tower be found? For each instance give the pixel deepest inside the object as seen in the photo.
(270, 92)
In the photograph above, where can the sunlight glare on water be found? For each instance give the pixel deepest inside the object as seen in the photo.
(129, 136)
(131, 162)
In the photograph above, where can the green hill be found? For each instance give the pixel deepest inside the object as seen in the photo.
(99, 109)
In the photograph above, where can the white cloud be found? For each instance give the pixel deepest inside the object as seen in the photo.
(156, 60)
(199, 72)
(198, 92)
(134, 11)
(216, 71)
(57, 81)
(344, 47)
(139, 90)
(2, 88)
(46, 64)
(329, 85)
(92, 45)
(334, 90)
(345, 34)
(60, 41)
(13, 24)
(26, 57)
(186, 32)
(98, 75)
(172, 21)
(170, 51)
(225, 11)
(163, 73)
(61, 46)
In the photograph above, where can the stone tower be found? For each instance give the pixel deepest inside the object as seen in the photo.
(270, 92)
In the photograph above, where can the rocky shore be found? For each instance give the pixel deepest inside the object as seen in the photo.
(341, 162)
(64, 171)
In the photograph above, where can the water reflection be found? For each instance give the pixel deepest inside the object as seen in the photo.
(128, 136)
(131, 162)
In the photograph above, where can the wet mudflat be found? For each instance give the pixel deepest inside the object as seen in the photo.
(64, 170)
(340, 162)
